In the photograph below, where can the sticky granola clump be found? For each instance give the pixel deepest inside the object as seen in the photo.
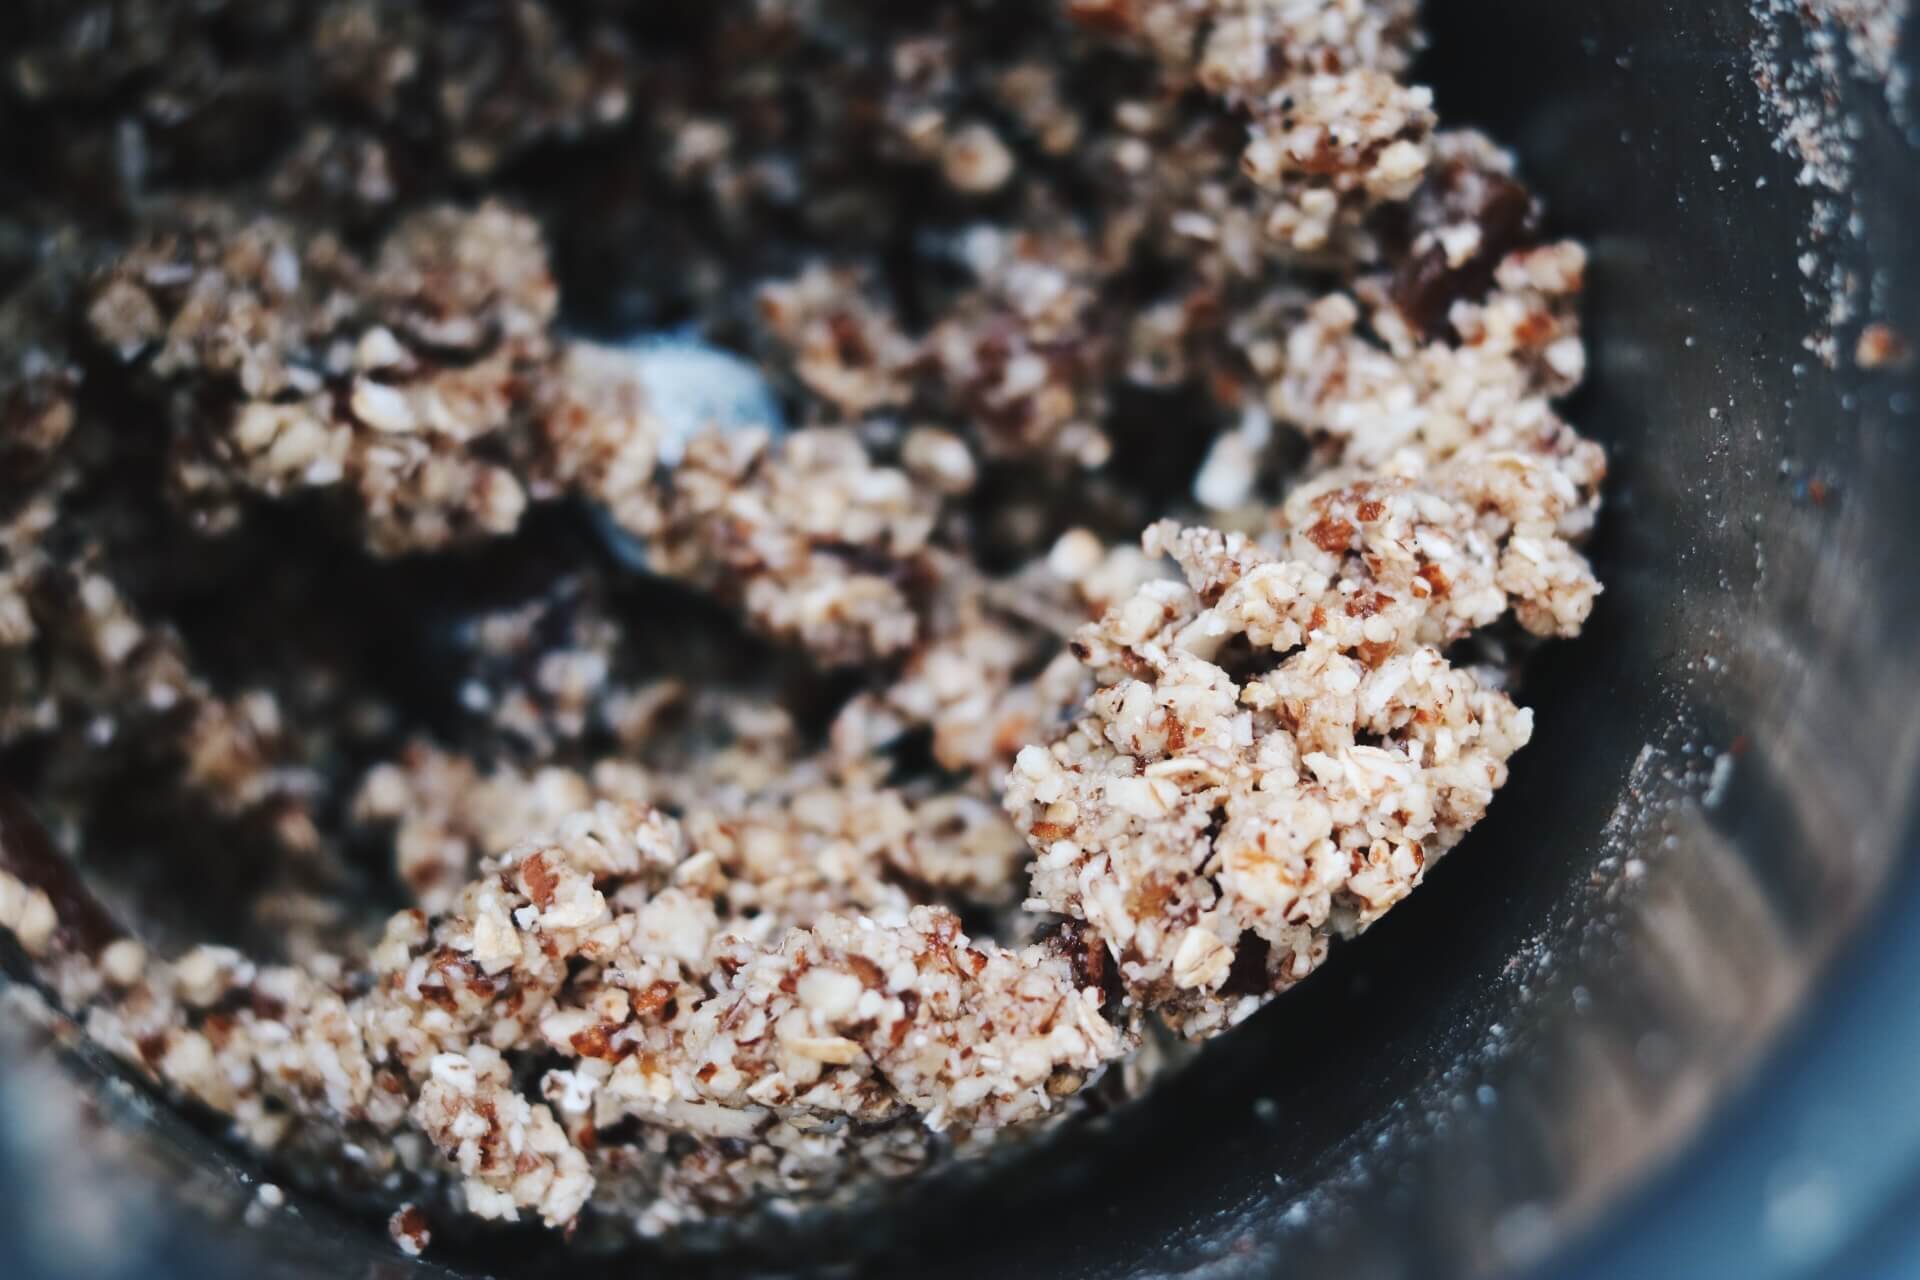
(1192, 817)
(372, 380)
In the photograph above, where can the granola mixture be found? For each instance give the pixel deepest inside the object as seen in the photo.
(785, 789)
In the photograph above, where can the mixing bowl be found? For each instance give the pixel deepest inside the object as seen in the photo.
(1656, 1017)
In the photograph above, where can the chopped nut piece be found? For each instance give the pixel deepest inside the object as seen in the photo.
(1201, 960)
(409, 1230)
(976, 161)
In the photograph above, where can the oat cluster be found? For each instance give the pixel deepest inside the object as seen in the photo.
(780, 805)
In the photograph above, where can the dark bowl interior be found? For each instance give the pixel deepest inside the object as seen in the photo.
(1716, 801)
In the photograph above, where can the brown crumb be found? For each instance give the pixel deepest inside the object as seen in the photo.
(409, 1229)
(1882, 347)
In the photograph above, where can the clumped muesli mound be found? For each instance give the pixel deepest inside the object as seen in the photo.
(793, 797)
